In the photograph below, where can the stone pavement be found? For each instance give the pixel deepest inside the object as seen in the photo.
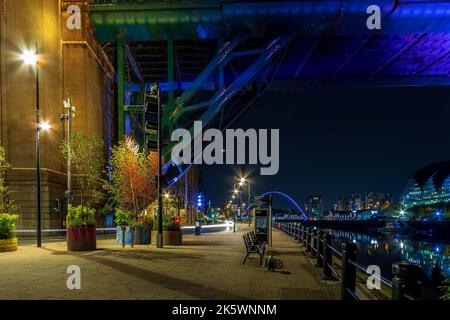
(205, 267)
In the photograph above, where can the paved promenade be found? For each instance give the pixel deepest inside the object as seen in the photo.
(205, 267)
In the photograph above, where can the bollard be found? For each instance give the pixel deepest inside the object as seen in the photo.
(123, 229)
(319, 261)
(133, 233)
(348, 275)
(299, 235)
(295, 231)
(302, 234)
(406, 281)
(305, 236)
(314, 243)
(328, 257)
(308, 239)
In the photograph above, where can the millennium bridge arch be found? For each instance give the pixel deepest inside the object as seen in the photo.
(283, 196)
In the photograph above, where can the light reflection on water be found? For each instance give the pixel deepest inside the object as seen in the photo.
(385, 249)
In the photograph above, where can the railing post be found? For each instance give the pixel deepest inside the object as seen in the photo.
(302, 235)
(319, 249)
(308, 239)
(348, 276)
(406, 281)
(314, 243)
(328, 257)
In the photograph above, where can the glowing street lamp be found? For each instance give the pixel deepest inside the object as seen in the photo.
(29, 57)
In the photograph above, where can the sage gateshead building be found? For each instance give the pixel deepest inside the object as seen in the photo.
(428, 186)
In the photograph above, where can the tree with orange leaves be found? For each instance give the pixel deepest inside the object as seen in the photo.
(133, 176)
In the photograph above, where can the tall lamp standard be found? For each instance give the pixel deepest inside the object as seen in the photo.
(68, 117)
(243, 181)
(236, 191)
(156, 92)
(31, 58)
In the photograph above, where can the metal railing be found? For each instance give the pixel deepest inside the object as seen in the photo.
(319, 244)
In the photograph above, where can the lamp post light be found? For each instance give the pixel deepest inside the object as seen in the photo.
(31, 58)
(156, 91)
(68, 117)
(243, 181)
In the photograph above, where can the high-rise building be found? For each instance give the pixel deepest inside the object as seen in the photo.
(378, 200)
(354, 202)
(342, 203)
(314, 205)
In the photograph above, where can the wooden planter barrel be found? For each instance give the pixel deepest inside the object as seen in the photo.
(81, 239)
(170, 238)
(8, 245)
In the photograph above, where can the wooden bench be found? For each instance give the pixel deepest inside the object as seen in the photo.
(253, 247)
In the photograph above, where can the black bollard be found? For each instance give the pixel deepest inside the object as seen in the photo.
(299, 235)
(133, 229)
(295, 231)
(123, 236)
(327, 256)
(406, 281)
(348, 275)
(308, 239)
(305, 236)
(314, 243)
(319, 261)
(302, 234)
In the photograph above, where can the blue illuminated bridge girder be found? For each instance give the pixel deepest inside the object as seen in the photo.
(332, 47)
(204, 19)
(284, 196)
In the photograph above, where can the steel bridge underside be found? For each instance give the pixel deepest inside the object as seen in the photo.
(212, 59)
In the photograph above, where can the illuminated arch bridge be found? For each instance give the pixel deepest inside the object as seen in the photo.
(298, 209)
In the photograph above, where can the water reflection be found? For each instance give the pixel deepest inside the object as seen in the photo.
(385, 249)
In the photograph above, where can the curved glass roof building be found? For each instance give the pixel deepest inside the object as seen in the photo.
(428, 185)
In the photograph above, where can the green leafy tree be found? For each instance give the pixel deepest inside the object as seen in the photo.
(6, 204)
(133, 177)
(86, 153)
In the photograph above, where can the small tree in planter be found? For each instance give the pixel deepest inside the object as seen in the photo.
(133, 185)
(8, 209)
(87, 156)
(172, 234)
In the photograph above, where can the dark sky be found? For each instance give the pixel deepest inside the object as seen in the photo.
(342, 141)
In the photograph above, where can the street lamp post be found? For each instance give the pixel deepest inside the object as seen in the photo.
(243, 181)
(159, 238)
(31, 58)
(68, 117)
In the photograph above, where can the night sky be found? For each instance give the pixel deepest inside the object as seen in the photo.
(340, 141)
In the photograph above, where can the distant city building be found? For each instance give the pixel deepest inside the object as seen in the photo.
(342, 204)
(314, 205)
(378, 200)
(352, 202)
(429, 185)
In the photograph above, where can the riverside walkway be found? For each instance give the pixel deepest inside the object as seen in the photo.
(205, 267)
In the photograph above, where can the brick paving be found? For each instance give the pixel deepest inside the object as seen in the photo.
(205, 267)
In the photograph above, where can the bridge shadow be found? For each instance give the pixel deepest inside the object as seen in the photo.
(191, 288)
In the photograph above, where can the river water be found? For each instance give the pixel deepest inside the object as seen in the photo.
(384, 249)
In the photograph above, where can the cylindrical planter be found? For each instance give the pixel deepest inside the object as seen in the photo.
(8, 245)
(171, 238)
(142, 235)
(81, 239)
(128, 235)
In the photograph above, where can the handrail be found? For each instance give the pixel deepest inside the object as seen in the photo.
(315, 240)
